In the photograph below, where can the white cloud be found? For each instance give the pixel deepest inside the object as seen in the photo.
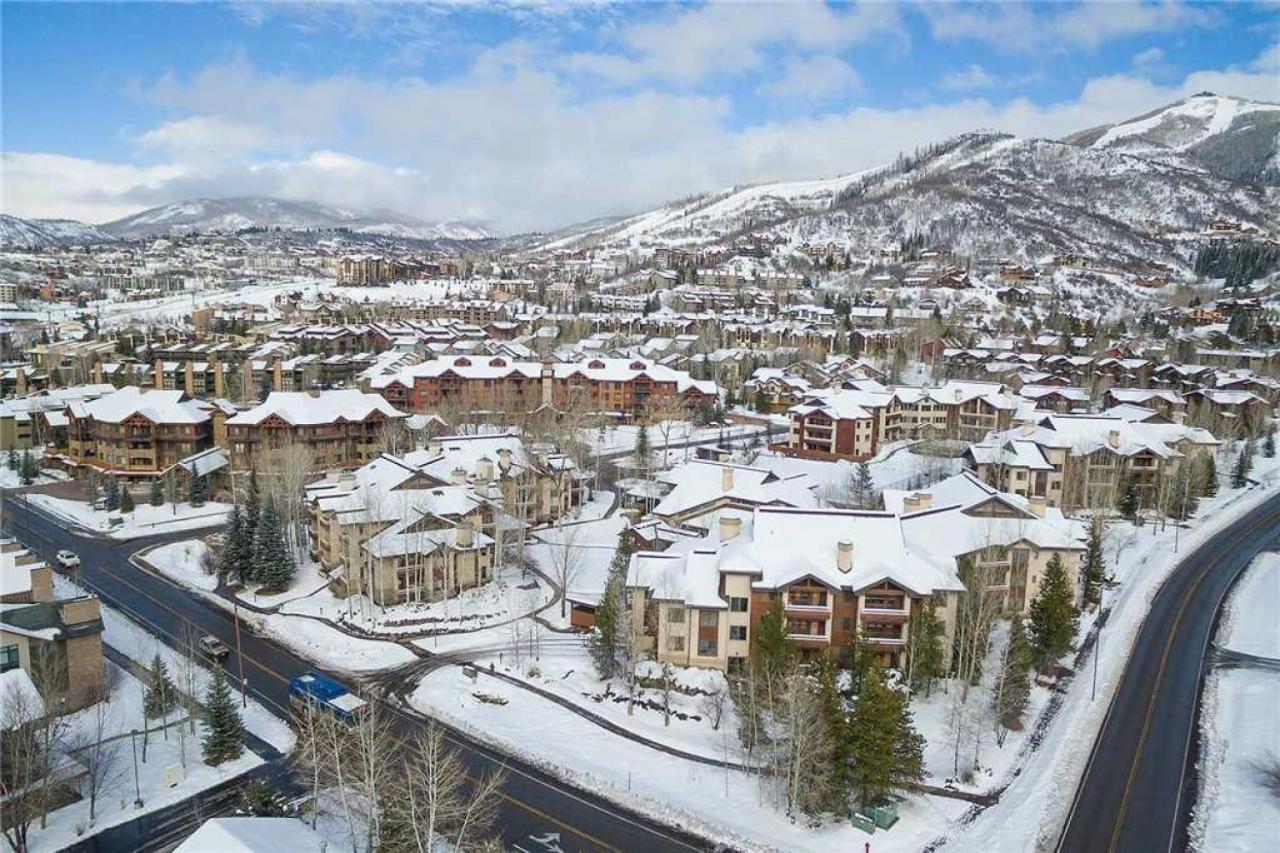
(511, 142)
(815, 78)
(973, 77)
(1017, 27)
(1149, 58)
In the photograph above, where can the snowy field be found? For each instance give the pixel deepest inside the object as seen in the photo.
(181, 562)
(144, 520)
(165, 750)
(1239, 802)
(896, 466)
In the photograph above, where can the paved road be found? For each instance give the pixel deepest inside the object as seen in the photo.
(539, 812)
(1139, 785)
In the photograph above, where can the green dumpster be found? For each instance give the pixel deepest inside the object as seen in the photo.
(884, 813)
(861, 821)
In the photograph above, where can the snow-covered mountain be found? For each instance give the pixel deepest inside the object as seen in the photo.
(1230, 137)
(990, 194)
(236, 214)
(38, 233)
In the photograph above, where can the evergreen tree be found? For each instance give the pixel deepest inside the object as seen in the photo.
(112, 495)
(643, 450)
(12, 462)
(91, 487)
(761, 401)
(157, 492)
(29, 469)
(886, 751)
(835, 724)
(1130, 500)
(161, 696)
(235, 560)
(1053, 614)
(1208, 480)
(864, 487)
(772, 651)
(252, 504)
(924, 644)
(1269, 445)
(197, 490)
(259, 800)
(1093, 572)
(1014, 687)
(611, 611)
(1182, 500)
(224, 734)
(126, 500)
(273, 565)
(1244, 464)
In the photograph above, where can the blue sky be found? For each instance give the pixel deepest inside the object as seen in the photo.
(537, 114)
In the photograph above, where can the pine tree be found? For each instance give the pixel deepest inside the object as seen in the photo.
(12, 463)
(1130, 500)
(126, 500)
(252, 504)
(1269, 445)
(273, 565)
(1208, 475)
(1244, 464)
(1095, 566)
(112, 496)
(1181, 500)
(886, 751)
(224, 734)
(835, 723)
(197, 490)
(92, 487)
(611, 611)
(772, 651)
(29, 468)
(924, 645)
(157, 492)
(235, 560)
(864, 487)
(1053, 614)
(1014, 687)
(161, 696)
(643, 450)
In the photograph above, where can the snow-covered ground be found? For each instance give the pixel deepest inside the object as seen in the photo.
(144, 520)
(164, 752)
(182, 562)
(1031, 810)
(132, 635)
(11, 479)
(622, 437)
(896, 466)
(1239, 803)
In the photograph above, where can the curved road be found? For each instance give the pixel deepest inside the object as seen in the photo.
(540, 814)
(1139, 784)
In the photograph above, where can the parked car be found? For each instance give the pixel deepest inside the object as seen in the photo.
(213, 647)
(68, 559)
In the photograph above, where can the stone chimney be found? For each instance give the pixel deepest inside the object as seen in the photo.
(910, 504)
(1037, 504)
(157, 370)
(189, 378)
(844, 556)
(726, 478)
(219, 379)
(466, 535)
(1113, 438)
(484, 468)
(459, 476)
(730, 526)
(924, 500)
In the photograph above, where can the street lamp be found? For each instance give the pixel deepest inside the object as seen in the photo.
(137, 789)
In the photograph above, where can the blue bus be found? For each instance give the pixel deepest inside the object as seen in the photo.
(314, 691)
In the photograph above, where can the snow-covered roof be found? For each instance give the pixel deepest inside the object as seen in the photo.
(252, 835)
(699, 483)
(157, 406)
(305, 408)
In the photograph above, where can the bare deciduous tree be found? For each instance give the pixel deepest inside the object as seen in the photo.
(566, 561)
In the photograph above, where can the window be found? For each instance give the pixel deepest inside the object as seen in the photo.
(675, 644)
(738, 605)
(737, 632)
(675, 615)
(708, 619)
(706, 647)
(8, 658)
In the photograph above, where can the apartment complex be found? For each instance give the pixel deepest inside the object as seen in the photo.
(617, 386)
(340, 429)
(135, 432)
(1085, 461)
(855, 422)
(841, 575)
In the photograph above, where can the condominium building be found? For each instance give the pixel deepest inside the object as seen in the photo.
(135, 432)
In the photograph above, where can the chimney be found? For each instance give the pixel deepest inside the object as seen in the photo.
(1037, 503)
(433, 448)
(158, 373)
(1113, 438)
(466, 535)
(924, 500)
(484, 468)
(959, 394)
(459, 476)
(726, 478)
(844, 556)
(730, 526)
(1028, 429)
(910, 504)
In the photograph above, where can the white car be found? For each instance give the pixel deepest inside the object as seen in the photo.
(213, 647)
(68, 559)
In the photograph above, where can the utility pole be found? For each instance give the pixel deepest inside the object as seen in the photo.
(137, 789)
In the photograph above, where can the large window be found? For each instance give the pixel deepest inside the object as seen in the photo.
(8, 658)
(738, 605)
(675, 615)
(708, 619)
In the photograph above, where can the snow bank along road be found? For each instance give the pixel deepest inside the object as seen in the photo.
(540, 813)
(1138, 787)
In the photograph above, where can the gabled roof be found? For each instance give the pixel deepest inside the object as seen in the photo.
(305, 408)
